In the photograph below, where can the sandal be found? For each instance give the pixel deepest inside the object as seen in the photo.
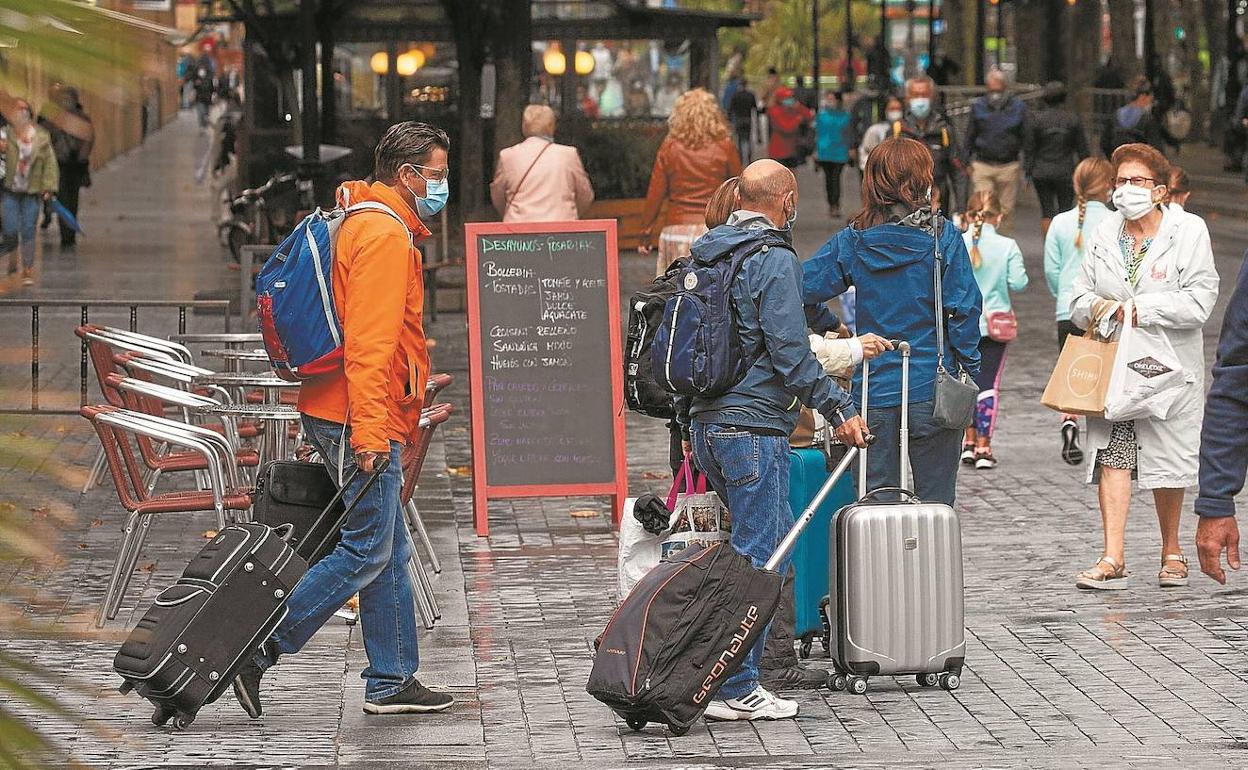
(1099, 578)
(1173, 577)
(1071, 453)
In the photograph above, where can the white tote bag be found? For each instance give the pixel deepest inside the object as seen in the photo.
(1147, 378)
(640, 550)
(700, 516)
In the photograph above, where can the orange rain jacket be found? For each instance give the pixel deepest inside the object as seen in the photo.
(379, 293)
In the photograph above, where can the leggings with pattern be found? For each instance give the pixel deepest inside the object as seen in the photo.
(991, 364)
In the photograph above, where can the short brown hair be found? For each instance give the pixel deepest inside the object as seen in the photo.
(1179, 183)
(898, 172)
(1147, 155)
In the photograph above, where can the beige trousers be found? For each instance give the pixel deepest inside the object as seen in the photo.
(1001, 178)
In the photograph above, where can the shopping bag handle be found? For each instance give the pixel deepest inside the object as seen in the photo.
(694, 482)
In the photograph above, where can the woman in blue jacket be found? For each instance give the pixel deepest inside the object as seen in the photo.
(887, 253)
(1063, 254)
(832, 147)
(998, 265)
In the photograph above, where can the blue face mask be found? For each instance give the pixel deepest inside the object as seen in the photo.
(437, 192)
(921, 107)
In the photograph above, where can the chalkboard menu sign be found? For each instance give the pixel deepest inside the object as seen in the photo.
(544, 339)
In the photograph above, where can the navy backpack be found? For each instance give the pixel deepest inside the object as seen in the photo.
(697, 349)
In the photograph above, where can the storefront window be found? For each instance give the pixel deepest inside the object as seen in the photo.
(425, 73)
(613, 78)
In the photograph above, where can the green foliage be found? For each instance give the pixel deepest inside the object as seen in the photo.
(70, 41)
(782, 38)
(618, 154)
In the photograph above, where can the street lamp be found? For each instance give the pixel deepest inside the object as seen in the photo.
(379, 63)
(583, 62)
(554, 61)
(408, 63)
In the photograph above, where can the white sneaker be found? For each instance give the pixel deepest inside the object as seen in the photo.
(759, 704)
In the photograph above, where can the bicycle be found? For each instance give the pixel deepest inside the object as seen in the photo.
(254, 219)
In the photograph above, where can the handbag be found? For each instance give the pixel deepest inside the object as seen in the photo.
(1147, 378)
(1081, 376)
(1002, 326)
(701, 518)
(954, 395)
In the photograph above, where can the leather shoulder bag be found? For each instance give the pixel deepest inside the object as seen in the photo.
(954, 395)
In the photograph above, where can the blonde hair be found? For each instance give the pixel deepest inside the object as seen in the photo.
(538, 120)
(1092, 180)
(697, 120)
(982, 205)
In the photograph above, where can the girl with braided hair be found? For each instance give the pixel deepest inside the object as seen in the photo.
(1064, 247)
(998, 266)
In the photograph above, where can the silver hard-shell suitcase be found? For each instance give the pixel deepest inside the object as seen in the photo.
(896, 576)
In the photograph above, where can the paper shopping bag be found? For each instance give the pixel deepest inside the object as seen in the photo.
(1081, 377)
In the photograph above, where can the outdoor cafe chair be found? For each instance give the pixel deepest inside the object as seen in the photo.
(114, 427)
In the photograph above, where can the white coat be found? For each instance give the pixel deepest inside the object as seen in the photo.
(1176, 292)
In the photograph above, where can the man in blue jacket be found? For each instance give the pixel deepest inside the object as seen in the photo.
(997, 135)
(740, 439)
(1224, 440)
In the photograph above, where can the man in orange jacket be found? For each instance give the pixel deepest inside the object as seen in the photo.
(368, 410)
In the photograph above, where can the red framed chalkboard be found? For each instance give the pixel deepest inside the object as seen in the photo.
(545, 362)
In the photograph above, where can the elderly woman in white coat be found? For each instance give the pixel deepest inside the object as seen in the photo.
(1158, 259)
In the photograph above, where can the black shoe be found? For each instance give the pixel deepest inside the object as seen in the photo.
(797, 677)
(413, 699)
(1071, 453)
(247, 685)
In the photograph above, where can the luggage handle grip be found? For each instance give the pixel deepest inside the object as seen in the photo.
(285, 531)
(379, 467)
(868, 497)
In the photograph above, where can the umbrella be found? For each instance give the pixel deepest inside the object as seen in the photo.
(65, 216)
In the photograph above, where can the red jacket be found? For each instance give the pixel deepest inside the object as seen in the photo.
(786, 124)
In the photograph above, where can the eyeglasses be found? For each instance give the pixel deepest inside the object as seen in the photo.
(1138, 181)
(431, 174)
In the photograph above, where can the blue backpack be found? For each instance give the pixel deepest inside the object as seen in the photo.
(295, 296)
(697, 349)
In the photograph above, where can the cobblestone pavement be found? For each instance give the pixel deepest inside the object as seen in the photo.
(1055, 678)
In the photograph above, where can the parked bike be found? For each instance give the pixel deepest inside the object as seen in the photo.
(260, 213)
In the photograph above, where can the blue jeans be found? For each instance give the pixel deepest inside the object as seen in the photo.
(20, 214)
(370, 560)
(933, 453)
(750, 473)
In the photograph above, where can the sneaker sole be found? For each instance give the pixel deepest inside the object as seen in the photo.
(1071, 453)
(403, 708)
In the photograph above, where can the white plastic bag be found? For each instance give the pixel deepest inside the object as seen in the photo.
(1147, 378)
(640, 550)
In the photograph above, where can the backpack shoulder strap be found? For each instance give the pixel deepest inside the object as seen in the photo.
(896, 128)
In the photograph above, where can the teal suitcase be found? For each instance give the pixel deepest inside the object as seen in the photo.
(808, 470)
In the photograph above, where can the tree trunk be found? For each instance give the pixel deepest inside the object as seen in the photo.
(513, 68)
(1030, 49)
(1122, 37)
(955, 42)
(1083, 51)
(467, 22)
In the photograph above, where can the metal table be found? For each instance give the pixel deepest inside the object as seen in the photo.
(238, 383)
(273, 443)
(228, 340)
(235, 357)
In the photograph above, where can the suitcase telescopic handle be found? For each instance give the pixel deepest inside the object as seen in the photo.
(786, 545)
(873, 494)
(379, 467)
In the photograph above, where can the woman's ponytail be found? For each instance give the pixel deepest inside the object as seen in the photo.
(976, 230)
(1083, 212)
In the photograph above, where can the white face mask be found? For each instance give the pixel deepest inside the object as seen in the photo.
(1134, 202)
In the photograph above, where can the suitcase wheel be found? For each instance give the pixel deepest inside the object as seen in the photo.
(927, 680)
(678, 731)
(162, 715)
(857, 685)
(950, 682)
(837, 682)
(183, 721)
(636, 724)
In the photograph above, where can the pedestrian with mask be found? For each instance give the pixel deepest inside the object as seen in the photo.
(998, 136)
(790, 122)
(31, 176)
(832, 131)
(888, 252)
(1150, 266)
(379, 292)
(894, 111)
(1058, 143)
(1064, 248)
(998, 266)
(928, 126)
(1135, 122)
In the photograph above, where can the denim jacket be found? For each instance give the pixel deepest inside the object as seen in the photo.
(772, 324)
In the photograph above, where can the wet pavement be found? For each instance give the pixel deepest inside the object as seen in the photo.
(1055, 677)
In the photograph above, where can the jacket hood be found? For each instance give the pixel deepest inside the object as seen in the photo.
(723, 239)
(1129, 115)
(350, 193)
(888, 246)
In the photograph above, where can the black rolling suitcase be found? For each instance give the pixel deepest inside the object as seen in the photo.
(686, 626)
(199, 632)
(304, 495)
